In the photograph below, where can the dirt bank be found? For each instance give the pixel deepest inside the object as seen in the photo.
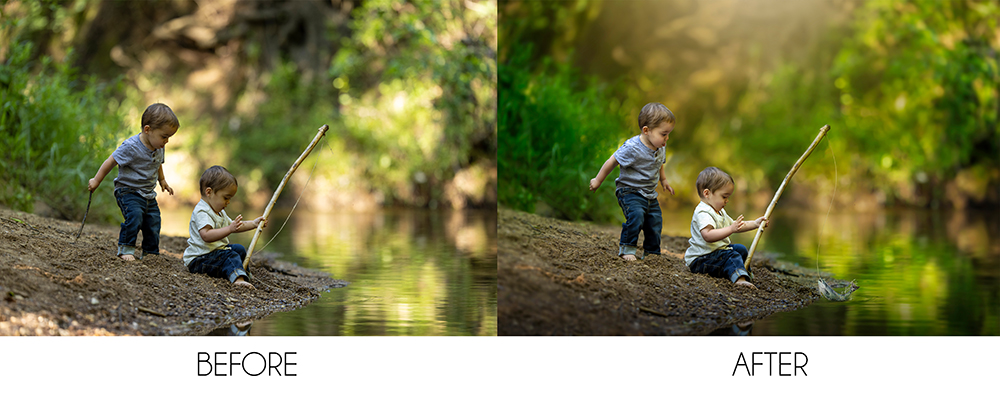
(51, 285)
(563, 278)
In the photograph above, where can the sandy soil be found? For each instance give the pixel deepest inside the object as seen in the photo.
(563, 278)
(52, 284)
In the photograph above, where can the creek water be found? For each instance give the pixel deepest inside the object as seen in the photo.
(411, 272)
(921, 272)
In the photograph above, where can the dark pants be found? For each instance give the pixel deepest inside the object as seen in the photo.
(641, 214)
(225, 262)
(140, 214)
(723, 263)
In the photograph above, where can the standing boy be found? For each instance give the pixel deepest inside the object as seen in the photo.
(140, 165)
(641, 159)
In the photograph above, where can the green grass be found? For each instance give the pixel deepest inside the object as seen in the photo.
(555, 135)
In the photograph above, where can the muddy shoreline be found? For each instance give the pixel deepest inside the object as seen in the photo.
(564, 278)
(53, 284)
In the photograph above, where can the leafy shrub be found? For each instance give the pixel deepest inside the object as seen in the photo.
(55, 130)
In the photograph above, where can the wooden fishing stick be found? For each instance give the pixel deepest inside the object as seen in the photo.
(274, 198)
(767, 214)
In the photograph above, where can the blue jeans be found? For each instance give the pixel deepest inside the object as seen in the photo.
(641, 214)
(723, 263)
(225, 262)
(140, 214)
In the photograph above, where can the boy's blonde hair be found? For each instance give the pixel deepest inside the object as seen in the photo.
(712, 179)
(158, 115)
(653, 114)
(217, 178)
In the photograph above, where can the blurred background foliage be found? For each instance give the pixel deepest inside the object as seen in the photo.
(909, 88)
(408, 89)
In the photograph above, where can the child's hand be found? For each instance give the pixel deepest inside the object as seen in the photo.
(666, 187)
(594, 184)
(165, 187)
(92, 184)
(761, 222)
(737, 224)
(236, 225)
(260, 222)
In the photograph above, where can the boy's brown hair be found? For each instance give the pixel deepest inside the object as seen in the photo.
(158, 115)
(712, 179)
(653, 114)
(217, 178)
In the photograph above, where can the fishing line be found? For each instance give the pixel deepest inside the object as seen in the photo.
(824, 288)
(275, 235)
(836, 182)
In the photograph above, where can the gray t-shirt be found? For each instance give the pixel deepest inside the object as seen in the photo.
(201, 216)
(138, 167)
(640, 166)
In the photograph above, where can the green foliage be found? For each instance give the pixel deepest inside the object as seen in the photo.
(777, 124)
(550, 27)
(410, 97)
(912, 96)
(408, 89)
(417, 92)
(923, 80)
(289, 112)
(55, 131)
(557, 134)
(910, 89)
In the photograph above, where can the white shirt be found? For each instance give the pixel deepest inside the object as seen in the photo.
(201, 216)
(705, 215)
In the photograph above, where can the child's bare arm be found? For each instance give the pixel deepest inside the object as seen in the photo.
(663, 181)
(209, 234)
(755, 224)
(101, 173)
(163, 181)
(605, 170)
(748, 226)
(250, 225)
(711, 235)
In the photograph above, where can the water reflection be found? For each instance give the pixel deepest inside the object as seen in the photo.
(411, 273)
(920, 272)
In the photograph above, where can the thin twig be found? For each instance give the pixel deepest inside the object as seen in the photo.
(651, 311)
(151, 311)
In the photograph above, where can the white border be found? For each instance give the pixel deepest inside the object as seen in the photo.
(504, 365)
